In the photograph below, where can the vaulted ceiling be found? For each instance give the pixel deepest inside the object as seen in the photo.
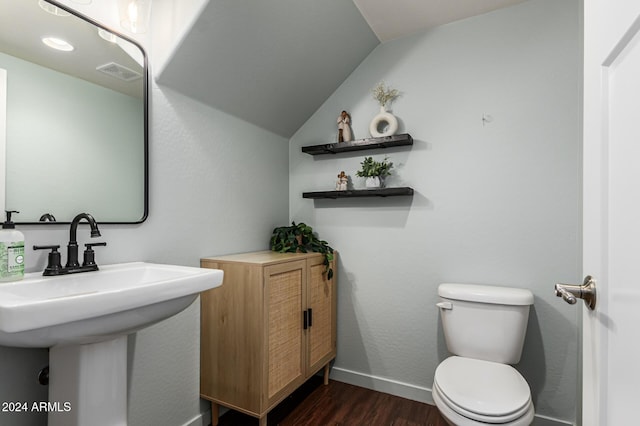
(274, 62)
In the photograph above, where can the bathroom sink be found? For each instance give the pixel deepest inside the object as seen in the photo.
(84, 318)
(96, 306)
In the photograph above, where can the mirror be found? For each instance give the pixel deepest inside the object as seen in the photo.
(74, 123)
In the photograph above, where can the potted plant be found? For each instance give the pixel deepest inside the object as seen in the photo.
(374, 171)
(300, 238)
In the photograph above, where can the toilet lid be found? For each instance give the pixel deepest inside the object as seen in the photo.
(482, 387)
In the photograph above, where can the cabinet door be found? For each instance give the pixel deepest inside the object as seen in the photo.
(322, 305)
(285, 293)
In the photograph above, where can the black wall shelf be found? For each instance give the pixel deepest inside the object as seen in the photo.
(360, 144)
(381, 192)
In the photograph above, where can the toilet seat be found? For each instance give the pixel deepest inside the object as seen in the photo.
(474, 418)
(455, 419)
(483, 391)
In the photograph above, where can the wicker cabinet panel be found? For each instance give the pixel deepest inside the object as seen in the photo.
(285, 341)
(267, 329)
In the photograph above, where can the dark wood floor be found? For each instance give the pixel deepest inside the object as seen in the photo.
(341, 404)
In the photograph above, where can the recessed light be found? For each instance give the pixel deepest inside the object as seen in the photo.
(54, 10)
(57, 43)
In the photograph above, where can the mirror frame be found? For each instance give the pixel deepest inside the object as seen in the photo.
(145, 76)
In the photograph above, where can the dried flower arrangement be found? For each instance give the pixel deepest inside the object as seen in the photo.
(383, 94)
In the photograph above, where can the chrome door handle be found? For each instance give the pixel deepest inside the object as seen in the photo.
(587, 292)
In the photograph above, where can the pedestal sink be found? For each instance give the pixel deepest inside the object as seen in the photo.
(84, 319)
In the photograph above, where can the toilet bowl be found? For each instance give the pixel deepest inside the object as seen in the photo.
(474, 392)
(484, 327)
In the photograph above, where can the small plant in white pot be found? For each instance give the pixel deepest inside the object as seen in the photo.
(374, 172)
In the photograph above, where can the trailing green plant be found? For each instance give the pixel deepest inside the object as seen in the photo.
(371, 168)
(300, 238)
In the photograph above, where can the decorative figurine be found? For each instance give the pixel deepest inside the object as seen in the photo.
(344, 131)
(341, 183)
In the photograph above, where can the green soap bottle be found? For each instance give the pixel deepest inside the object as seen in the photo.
(11, 251)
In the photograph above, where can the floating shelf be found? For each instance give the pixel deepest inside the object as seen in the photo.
(360, 144)
(381, 192)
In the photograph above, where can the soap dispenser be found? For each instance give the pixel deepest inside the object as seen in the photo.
(11, 251)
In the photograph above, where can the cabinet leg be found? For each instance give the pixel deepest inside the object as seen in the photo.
(327, 367)
(262, 421)
(215, 414)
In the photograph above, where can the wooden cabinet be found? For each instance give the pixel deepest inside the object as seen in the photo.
(266, 330)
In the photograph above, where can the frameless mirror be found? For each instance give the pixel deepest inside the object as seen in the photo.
(73, 123)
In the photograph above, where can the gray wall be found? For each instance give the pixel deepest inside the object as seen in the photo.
(208, 172)
(218, 185)
(497, 203)
(271, 63)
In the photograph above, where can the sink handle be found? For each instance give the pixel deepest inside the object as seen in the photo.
(54, 264)
(90, 255)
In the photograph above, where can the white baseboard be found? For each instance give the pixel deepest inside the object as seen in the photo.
(409, 391)
(548, 421)
(381, 384)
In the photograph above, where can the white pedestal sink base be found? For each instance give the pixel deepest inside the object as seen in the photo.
(88, 384)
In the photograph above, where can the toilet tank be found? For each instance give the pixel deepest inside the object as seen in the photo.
(485, 322)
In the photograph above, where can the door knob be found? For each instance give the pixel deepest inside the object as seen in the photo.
(571, 293)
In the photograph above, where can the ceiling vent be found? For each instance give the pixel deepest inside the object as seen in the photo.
(120, 72)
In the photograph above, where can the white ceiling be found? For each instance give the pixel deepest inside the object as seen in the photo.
(391, 19)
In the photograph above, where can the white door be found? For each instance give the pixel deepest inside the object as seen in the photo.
(611, 338)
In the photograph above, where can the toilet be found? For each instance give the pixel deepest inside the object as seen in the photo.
(484, 327)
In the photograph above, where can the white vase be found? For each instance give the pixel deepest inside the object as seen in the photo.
(383, 124)
(373, 182)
